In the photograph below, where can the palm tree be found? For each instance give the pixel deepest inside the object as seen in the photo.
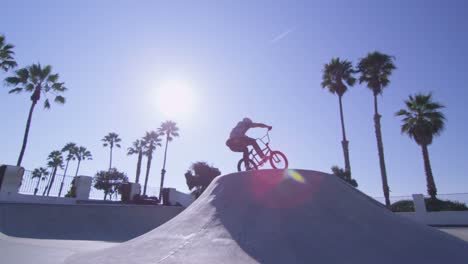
(82, 154)
(112, 139)
(422, 120)
(69, 150)
(55, 161)
(137, 148)
(150, 141)
(375, 70)
(170, 129)
(6, 55)
(41, 174)
(336, 74)
(39, 81)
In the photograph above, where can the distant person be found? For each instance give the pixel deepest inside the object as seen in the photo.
(238, 141)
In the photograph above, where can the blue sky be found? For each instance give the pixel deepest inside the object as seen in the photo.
(240, 58)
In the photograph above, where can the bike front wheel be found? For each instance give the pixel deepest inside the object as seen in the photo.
(278, 160)
(246, 165)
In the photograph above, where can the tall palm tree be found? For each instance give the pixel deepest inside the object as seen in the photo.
(150, 141)
(41, 174)
(69, 150)
(336, 74)
(39, 81)
(55, 162)
(112, 139)
(422, 120)
(170, 129)
(6, 55)
(137, 148)
(375, 70)
(82, 154)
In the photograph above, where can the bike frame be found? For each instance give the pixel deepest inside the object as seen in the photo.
(265, 141)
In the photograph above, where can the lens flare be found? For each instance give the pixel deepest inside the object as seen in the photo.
(294, 175)
(282, 189)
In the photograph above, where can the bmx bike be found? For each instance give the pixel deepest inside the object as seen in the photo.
(276, 158)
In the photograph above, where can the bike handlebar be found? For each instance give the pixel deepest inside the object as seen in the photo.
(267, 135)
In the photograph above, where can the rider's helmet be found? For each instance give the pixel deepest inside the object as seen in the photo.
(247, 120)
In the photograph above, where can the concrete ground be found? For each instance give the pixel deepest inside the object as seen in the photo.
(273, 216)
(44, 251)
(51, 251)
(266, 216)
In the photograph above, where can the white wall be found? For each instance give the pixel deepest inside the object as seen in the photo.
(82, 221)
(440, 218)
(183, 199)
(445, 218)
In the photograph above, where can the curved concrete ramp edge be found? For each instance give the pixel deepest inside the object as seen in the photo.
(294, 216)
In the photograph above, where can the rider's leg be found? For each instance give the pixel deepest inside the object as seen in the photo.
(246, 158)
(246, 154)
(254, 144)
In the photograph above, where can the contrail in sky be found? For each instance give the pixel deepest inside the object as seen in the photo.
(282, 35)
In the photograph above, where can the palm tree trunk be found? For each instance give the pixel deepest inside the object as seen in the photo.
(383, 170)
(48, 183)
(431, 187)
(52, 179)
(63, 178)
(138, 170)
(110, 161)
(37, 185)
(148, 168)
(345, 142)
(163, 171)
(26, 133)
(77, 168)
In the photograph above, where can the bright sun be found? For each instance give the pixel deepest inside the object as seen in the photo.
(176, 99)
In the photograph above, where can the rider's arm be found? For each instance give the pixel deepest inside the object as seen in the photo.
(260, 125)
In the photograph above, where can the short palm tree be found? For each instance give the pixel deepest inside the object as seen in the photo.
(170, 129)
(82, 154)
(112, 139)
(69, 150)
(7, 61)
(41, 174)
(336, 75)
(375, 70)
(422, 120)
(39, 81)
(55, 162)
(137, 148)
(150, 141)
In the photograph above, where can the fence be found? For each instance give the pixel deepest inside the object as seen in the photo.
(30, 184)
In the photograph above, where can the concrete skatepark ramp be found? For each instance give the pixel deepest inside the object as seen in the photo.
(273, 216)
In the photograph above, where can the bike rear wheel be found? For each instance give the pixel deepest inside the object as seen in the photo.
(246, 165)
(278, 160)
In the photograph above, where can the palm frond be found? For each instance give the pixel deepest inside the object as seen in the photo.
(375, 70)
(422, 119)
(16, 90)
(59, 99)
(336, 74)
(47, 104)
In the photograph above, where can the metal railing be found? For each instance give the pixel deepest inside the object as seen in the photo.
(29, 186)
